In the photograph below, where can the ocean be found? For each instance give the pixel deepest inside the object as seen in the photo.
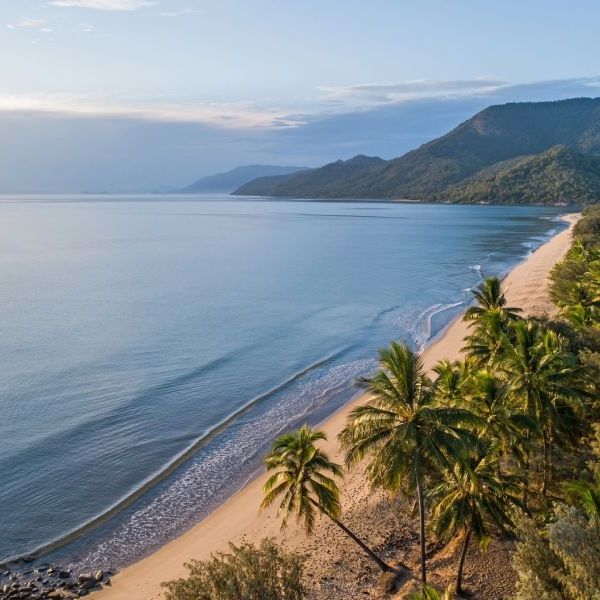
(152, 347)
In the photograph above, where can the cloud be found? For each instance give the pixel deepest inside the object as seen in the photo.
(329, 106)
(372, 94)
(180, 12)
(238, 115)
(83, 28)
(118, 5)
(27, 23)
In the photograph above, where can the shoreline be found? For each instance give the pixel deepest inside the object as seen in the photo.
(238, 518)
(97, 521)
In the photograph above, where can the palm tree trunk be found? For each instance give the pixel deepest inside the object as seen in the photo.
(550, 458)
(421, 498)
(461, 562)
(546, 474)
(526, 482)
(526, 470)
(380, 563)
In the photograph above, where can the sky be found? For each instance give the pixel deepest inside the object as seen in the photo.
(134, 95)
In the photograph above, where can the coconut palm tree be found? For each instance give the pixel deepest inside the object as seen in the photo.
(472, 497)
(542, 375)
(402, 430)
(488, 338)
(490, 297)
(452, 381)
(587, 495)
(580, 315)
(305, 479)
(491, 320)
(503, 421)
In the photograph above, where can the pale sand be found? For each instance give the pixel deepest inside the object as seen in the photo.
(370, 514)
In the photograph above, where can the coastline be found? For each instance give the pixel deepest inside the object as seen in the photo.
(238, 518)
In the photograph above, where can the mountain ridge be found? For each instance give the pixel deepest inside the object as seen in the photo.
(302, 183)
(440, 169)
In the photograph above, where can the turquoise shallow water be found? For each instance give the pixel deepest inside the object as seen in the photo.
(132, 327)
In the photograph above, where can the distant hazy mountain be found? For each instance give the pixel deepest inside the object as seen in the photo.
(229, 181)
(503, 154)
(327, 179)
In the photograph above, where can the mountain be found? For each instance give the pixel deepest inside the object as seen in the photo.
(229, 181)
(474, 159)
(558, 175)
(302, 184)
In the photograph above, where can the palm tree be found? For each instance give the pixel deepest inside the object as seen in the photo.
(304, 476)
(473, 496)
(430, 593)
(402, 429)
(580, 315)
(541, 373)
(490, 297)
(452, 381)
(491, 319)
(587, 495)
(486, 343)
(489, 398)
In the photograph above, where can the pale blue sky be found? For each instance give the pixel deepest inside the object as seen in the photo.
(136, 93)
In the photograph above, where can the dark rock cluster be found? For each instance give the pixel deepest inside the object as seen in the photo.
(46, 581)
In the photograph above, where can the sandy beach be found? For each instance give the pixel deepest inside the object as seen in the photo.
(379, 519)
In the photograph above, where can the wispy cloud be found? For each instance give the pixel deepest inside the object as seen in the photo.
(83, 28)
(330, 102)
(36, 26)
(27, 22)
(180, 12)
(239, 115)
(118, 5)
(373, 94)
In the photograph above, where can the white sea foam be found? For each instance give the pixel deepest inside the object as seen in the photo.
(477, 269)
(200, 483)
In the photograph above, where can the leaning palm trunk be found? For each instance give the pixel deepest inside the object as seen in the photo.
(380, 563)
(421, 500)
(461, 562)
(302, 470)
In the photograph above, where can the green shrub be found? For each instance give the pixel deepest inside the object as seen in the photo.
(430, 593)
(558, 561)
(246, 573)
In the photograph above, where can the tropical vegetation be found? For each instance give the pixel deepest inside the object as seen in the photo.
(402, 429)
(304, 479)
(247, 572)
(505, 442)
(428, 592)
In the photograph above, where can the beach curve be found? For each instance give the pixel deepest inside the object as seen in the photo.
(237, 518)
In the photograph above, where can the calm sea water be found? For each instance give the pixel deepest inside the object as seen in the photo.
(130, 328)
